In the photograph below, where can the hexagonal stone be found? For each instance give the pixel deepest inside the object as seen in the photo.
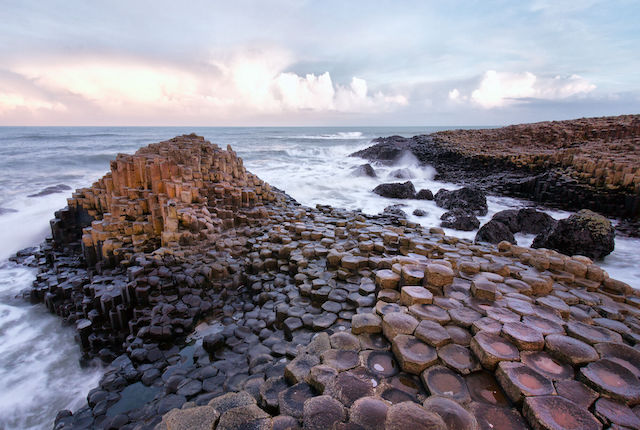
(199, 418)
(413, 355)
(577, 392)
(269, 392)
(621, 354)
(340, 359)
(454, 416)
(486, 324)
(284, 422)
(412, 274)
(521, 307)
(491, 349)
(442, 381)
(386, 278)
(297, 369)
(484, 388)
(458, 358)
(344, 340)
(430, 312)
(230, 401)
(366, 323)
(555, 304)
(482, 288)
(503, 315)
(291, 324)
(388, 295)
(348, 387)
(524, 337)
(518, 381)
(612, 412)
(381, 363)
(369, 412)
(464, 316)
(322, 412)
(396, 323)
(438, 275)
(558, 413)
(432, 333)
(543, 325)
(320, 377)
(540, 285)
(612, 379)
(249, 417)
(383, 308)
(412, 295)
(592, 334)
(323, 321)
(458, 334)
(292, 399)
(490, 417)
(405, 415)
(570, 350)
(546, 365)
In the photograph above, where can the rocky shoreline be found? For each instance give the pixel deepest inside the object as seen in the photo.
(321, 318)
(589, 163)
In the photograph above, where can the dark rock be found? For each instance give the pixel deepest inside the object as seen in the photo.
(584, 233)
(495, 232)
(51, 190)
(386, 149)
(394, 211)
(419, 212)
(531, 221)
(468, 198)
(7, 211)
(397, 190)
(322, 412)
(459, 219)
(401, 174)
(424, 194)
(365, 170)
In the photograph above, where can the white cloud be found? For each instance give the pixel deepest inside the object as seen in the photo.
(499, 89)
(247, 82)
(10, 101)
(454, 94)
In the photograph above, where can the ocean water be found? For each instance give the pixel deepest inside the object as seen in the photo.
(40, 370)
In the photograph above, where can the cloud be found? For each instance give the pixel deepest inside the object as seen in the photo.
(498, 89)
(252, 82)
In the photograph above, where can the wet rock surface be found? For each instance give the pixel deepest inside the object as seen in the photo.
(220, 302)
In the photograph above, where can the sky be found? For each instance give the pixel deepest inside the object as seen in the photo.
(322, 63)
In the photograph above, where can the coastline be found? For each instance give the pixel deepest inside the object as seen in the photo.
(262, 247)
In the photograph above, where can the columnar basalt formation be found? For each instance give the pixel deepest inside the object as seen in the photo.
(591, 163)
(326, 318)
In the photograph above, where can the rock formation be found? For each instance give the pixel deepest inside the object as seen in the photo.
(321, 317)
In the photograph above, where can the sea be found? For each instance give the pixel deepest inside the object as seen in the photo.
(41, 370)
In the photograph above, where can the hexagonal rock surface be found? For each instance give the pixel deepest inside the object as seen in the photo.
(491, 349)
(396, 323)
(322, 412)
(432, 333)
(610, 411)
(464, 317)
(408, 415)
(413, 355)
(319, 377)
(458, 358)
(570, 350)
(524, 337)
(518, 381)
(412, 274)
(558, 413)
(380, 363)
(298, 368)
(430, 312)
(592, 334)
(543, 325)
(621, 354)
(612, 379)
(411, 295)
(484, 388)
(345, 341)
(438, 275)
(366, 323)
(340, 359)
(442, 381)
(369, 412)
(386, 278)
(454, 416)
(232, 400)
(577, 392)
(540, 285)
(482, 288)
(348, 387)
(292, 399)
(490, 417)
(199, 418)
(546, 365)
(269, 392)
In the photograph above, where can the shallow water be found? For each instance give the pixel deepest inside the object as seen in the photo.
(39, 360)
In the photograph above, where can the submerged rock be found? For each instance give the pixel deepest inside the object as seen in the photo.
(424, 194)
(51, 190)
(396, 190)
(402, 174)
(365, 170)
(394, 211)
(584, 233)
(468, 198)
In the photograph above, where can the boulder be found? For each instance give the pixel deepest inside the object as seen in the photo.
(468, 198)
(424, 194)
(394, 211)
(419, 212)
(495, 232)
(365, 170)
(585, 233)
(459, 219)
(396, 190)
(531, 221)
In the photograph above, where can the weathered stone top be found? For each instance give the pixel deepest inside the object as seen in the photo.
(600, 151)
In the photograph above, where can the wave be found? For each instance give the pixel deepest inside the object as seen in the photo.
(342, 135)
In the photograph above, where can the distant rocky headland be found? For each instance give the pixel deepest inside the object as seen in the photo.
(221, 303)
(590, 163)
